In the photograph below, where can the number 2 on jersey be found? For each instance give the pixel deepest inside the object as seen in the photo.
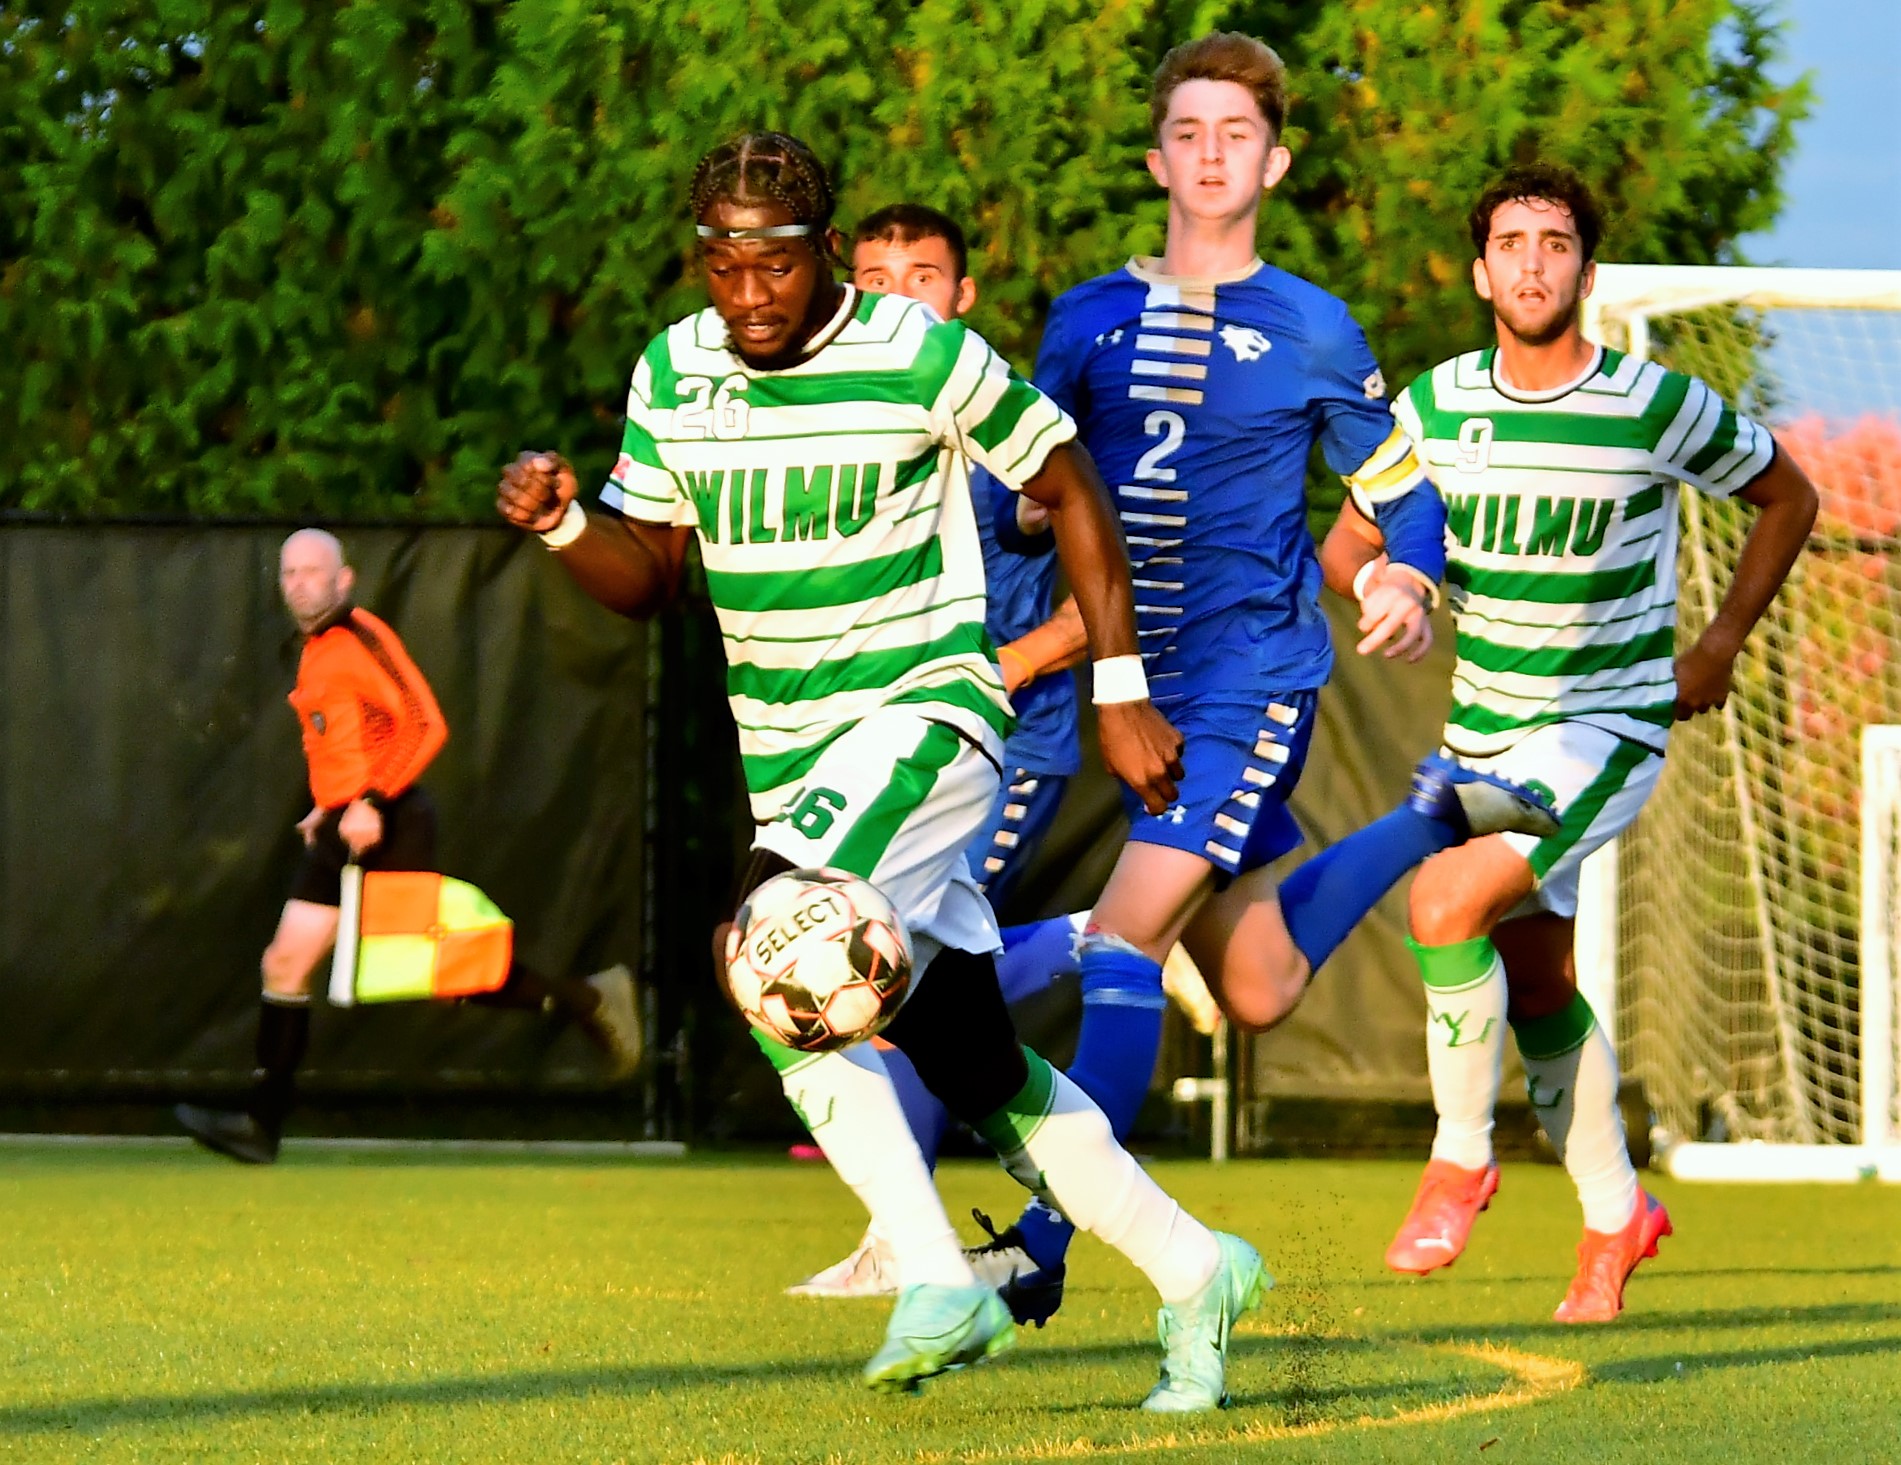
(1169, 427)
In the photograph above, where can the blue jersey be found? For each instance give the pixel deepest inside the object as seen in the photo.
(1021, 586)
(1200, 401)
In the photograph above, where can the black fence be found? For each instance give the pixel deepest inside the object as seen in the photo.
(150, 777)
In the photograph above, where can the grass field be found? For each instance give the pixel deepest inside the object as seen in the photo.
(156, 1304)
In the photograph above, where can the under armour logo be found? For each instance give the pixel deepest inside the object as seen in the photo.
(1548, 1100)
(1173, 814)
(1245, 342)
(1109, 338)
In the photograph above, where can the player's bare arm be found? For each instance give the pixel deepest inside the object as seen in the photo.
(1139, 746)
(632, 569)
(1788, 503)
(1395, 605)
(1055, 645)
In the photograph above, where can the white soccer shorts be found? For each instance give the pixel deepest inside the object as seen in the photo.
(896, 801)
(1598, 781)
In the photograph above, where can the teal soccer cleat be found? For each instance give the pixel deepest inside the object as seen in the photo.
(1195, 1333)
(934, 1329)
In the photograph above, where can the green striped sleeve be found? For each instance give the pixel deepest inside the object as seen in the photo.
(1002, 421)
(1718, 453)
(640, 486)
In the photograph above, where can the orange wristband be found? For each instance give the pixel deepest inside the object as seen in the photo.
(1029, 667)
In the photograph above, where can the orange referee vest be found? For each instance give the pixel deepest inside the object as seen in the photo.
(370, 723)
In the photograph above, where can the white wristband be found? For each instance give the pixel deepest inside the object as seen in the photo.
(1366, 573)
(1120, 679)
(572, 526)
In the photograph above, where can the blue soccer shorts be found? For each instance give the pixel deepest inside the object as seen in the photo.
(1240, 767)
(1021, 815)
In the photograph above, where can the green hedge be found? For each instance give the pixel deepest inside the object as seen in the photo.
(343, 259)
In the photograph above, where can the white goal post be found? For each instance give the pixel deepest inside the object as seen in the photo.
(1740, 942)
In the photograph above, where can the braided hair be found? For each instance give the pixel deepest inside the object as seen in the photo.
(768, 168)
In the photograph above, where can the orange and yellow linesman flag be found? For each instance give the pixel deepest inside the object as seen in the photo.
(404, 935)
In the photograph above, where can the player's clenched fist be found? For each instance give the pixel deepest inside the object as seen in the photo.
(535, 491)
(1142, 748)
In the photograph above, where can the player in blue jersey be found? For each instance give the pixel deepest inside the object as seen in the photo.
(1200, 382)
(910, 249)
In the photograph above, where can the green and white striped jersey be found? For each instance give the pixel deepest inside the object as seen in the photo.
(832, 502)
(1561, 537)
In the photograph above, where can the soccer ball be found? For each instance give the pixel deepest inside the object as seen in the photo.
(818, 960)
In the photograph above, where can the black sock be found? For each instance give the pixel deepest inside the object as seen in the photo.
(528, 988)
(283, 1033)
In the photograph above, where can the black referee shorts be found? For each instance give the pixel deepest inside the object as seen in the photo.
(409, 843)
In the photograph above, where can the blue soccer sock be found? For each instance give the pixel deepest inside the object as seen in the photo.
(1327, 896)
(1036, 955)
(923, 1111)
(1121, 1032)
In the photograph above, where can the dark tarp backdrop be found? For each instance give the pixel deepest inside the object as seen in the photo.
(151, 776)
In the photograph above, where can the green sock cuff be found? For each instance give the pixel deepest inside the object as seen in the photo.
(782, 1058)
(1457, 965)
(1008, 1130)
(1560, 1033)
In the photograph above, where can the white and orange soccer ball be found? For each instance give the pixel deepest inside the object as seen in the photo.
(818, 959)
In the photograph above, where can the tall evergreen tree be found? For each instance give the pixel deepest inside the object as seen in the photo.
(270, 258)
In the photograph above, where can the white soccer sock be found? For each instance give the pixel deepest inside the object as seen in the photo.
(1465, 1045)
(1574, 1092)
(1055, 1141)
(847, 1102)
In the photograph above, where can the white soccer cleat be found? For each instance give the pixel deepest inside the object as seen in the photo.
(615, 1022)
(1476, 803)
(999, 1261)
(1182, 980)
(868, 1272)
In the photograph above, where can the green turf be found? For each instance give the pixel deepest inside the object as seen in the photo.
(162, 1305)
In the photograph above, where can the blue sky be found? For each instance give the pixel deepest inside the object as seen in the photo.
(1842, 208)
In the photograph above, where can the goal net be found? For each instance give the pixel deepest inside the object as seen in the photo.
(1749, 915)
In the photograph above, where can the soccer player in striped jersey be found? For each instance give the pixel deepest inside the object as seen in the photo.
(813, 439)
(916, 251)
(1201, 382)
(1558, 462)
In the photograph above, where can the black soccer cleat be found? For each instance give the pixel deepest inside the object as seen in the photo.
(1032, 1293)
(230, 1132)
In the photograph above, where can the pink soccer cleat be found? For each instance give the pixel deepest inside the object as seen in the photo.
(1606, 1260)
(1434, 1231)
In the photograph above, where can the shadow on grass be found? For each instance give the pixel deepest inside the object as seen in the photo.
(1298, 1363)
(1562, 1275)
(1293, 1359)
(1640, 1320)
(1669, 1367)
(1307, 1370)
